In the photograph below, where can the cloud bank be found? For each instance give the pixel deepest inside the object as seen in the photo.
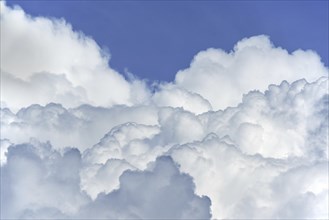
(237, 135)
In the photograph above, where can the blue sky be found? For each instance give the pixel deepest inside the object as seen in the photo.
(156, 39)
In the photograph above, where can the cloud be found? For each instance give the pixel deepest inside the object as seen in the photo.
(40, 88)
(4, 145)
(173, 96)
(85, 124)
(50, 188)
(254, 63)
(240, 134)
(244, 158)
(38, 181)
(305, 199)
(132, 142)
(252, 147)
(44, 60)
(162, 193)
(60, 65)
(243, 186)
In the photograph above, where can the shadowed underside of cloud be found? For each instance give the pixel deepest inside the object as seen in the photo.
(240, 134)
(48, 189)
(162, 193)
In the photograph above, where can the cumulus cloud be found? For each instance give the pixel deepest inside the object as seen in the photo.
(240, 134)
(254, 63)
(162, 193)
(44, 60)
(36, 182)
(173, 96)
(279, 123)
(244, 159)
(85, 124)
(48, 189)
(242, 186)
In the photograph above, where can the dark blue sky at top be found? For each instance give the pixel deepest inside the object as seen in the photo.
(155, 39)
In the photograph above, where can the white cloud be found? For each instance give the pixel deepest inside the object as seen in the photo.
(253, 145)
(99, 178)
(242, 158)
(85, 124)
(281, 123)
(173, 96)
(264, 155)
(41, 88)
(242, 186)
(222, 78)
(308, 196)
(43, 60)
(130, 141)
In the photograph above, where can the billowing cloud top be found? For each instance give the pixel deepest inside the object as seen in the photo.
(255, 62)
(46, 60)
(237, 135)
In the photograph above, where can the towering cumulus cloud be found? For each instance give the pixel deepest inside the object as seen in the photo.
(237, 135)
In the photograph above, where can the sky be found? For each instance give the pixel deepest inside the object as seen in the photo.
(222, 113)
(155, 39)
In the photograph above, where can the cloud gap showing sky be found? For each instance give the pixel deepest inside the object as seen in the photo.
(237, 134)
